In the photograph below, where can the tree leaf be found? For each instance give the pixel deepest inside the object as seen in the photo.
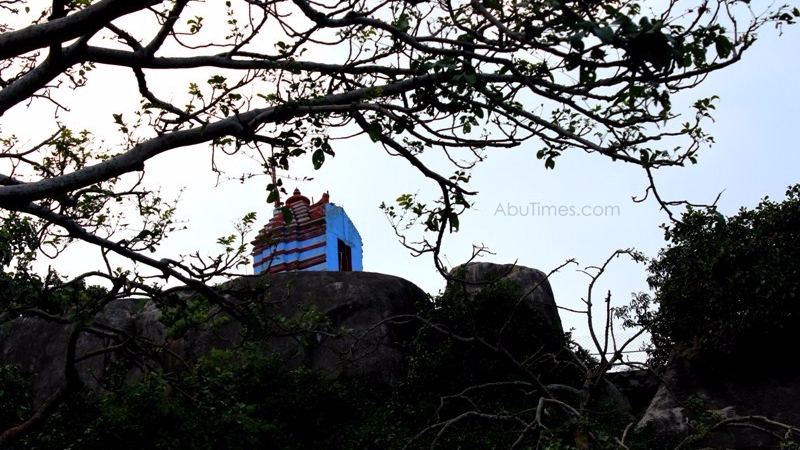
(723, 46)
(318, 158)
(375, 131)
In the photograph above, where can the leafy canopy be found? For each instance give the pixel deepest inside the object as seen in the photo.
(279, 80)
(731, 284)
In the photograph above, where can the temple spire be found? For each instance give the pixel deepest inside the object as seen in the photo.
(319, 236)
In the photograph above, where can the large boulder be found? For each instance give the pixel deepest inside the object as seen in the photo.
(39, 347)
(533, 289)
(355, 336)
(358, 308)
(533, 284)
(735, 406)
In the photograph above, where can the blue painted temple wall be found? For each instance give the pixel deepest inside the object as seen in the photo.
(339, 226)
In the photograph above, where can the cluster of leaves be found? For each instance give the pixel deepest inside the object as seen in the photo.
(730, 284)
(18, 243)
(14, 396)
(23, 291)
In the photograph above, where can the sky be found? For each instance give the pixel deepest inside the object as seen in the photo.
(755, 155)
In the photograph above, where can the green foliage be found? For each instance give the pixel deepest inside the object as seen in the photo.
(22, 289)
(731, 284)
(240, 399)
(14, 396)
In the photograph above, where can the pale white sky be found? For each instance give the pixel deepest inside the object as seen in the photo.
(755, 155)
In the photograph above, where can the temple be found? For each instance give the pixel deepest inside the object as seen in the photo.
(319, 236)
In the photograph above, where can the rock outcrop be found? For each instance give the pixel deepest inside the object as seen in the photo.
(533, 283)
(740, 406)
(359, 306)
(354, 307)
(345, 323)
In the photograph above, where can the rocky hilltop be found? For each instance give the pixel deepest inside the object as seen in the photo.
(354, 306)
(357, 324)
